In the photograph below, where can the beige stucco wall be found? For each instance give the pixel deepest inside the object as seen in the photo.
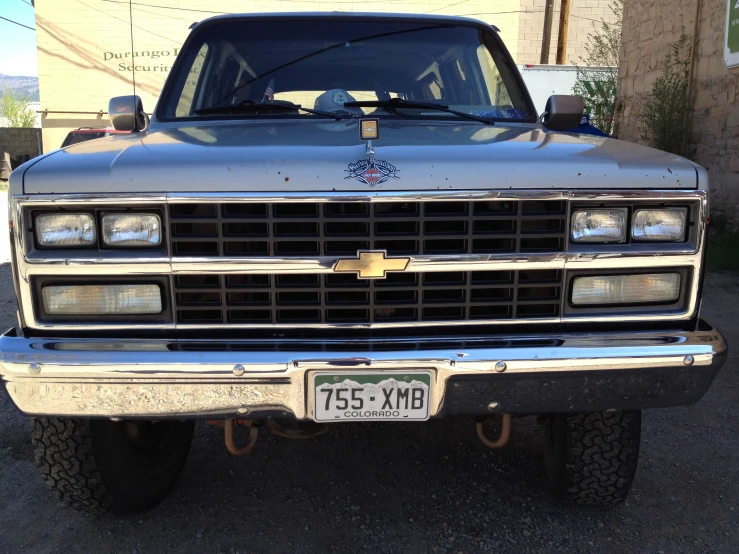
(650, 26)
(583, 15)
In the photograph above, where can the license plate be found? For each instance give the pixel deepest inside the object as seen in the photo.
(372, 396)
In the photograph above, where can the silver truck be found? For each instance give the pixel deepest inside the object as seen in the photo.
(334, 218)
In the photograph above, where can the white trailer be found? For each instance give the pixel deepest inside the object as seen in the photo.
(545, 80)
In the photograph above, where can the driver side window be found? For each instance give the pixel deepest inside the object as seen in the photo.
(493, 78)
(186, 102)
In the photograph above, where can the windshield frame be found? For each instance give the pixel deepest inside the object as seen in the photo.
(489, 30)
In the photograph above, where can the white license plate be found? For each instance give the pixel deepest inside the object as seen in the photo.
(372, 396)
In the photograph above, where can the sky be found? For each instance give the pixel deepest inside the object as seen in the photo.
(18, 44)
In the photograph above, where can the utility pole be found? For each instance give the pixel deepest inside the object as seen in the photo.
(547, 38)
(564, 24)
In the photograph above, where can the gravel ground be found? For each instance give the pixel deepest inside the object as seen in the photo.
(405, 487)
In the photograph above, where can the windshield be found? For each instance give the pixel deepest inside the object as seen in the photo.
(322, 64)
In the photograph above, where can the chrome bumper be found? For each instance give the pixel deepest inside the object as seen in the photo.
(522, 374)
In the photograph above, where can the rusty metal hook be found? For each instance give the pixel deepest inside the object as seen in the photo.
(231, 441)
(505, 433)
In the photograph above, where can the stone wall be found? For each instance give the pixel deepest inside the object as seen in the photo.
(649, 27)
(19, 142)
(583, 15)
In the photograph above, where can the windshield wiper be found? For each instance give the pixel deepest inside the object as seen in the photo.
(394, 103)
(251, 107)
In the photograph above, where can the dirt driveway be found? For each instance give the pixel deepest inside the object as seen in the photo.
(405, 487)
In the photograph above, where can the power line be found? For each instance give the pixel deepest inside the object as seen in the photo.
(351, 2)
(177, 42)
(449, 6)
(179, 9)
(499, 13)
(313, 1)
(16, 23)
(166, 15)
(530, 11)
(583, 17)
(26, 2)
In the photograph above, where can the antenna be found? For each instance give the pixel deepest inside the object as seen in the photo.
(133, 62)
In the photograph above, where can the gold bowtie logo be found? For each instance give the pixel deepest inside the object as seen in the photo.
(371, 265)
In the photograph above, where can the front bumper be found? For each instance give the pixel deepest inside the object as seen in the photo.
(202, 379)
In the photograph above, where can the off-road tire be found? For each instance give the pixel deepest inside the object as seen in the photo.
(591, 458)
(96, 466)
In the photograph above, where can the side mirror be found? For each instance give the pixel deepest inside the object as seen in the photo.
(563, 112)
(126, 113)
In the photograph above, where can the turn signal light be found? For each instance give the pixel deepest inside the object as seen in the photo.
(102, 299)
(626, 289)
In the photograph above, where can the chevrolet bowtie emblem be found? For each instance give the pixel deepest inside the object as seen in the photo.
(371, 265)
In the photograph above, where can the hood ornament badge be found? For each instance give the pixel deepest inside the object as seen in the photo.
(371, 172)
(369, 129)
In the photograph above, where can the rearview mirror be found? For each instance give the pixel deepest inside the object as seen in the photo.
(126, 113)
(563, 112)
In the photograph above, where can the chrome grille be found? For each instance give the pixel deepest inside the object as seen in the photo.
(288, 299)
(305, 229)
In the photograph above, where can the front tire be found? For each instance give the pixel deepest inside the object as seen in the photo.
(591, 458)
(102, 466)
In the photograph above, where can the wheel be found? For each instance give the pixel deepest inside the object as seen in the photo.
(591, 458)
(111, 467)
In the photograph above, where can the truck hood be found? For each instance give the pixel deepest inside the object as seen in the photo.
(310, 156)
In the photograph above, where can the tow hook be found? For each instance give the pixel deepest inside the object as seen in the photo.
(228, 426)
(231, 440)
(288, 430)
(505, 431)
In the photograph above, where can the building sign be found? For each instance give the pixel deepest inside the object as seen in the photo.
(731, 46)
(144, 60)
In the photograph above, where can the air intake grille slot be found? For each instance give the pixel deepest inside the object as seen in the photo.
(295, 299)
(310, 229)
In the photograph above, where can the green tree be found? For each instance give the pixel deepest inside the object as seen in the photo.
(15, 111)
(597, 72)
(663, 115)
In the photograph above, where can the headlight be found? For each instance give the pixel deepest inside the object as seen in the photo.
(626, 289)
(132, 230)
(599, 225)
(660, 225)
(102, 299)
(60, 230)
